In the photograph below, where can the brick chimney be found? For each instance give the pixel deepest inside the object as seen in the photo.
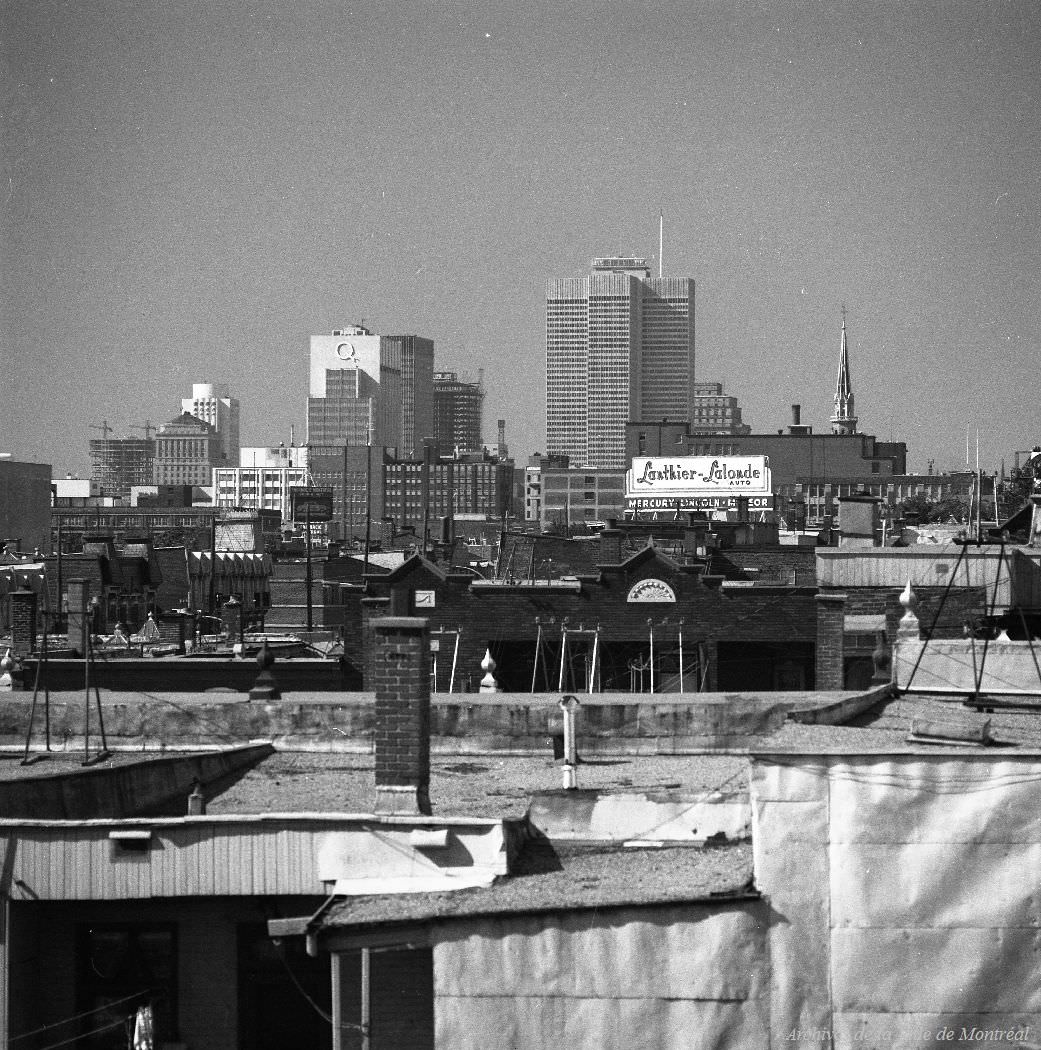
(610, 544)
(401, 673)
(79, 615)
(23, 620)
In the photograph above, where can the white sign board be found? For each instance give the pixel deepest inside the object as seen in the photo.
(699, 476)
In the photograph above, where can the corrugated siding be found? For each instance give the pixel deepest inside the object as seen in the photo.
(187, 860)
(1019, 576)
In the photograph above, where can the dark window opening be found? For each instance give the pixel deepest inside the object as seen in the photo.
(119, 968)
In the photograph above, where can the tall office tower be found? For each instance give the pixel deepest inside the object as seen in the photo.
(417, 388)
(370, 389)
(118, 464)
(457, 413)
(844, 420)
(619, 347)
(211, 403)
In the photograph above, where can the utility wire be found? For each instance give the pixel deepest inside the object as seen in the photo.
(77, 1017)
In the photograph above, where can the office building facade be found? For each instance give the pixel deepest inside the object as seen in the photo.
(186, 451)
(211, 403)
(370, 389)
(119, 464)
(458, 407)
(619, 347)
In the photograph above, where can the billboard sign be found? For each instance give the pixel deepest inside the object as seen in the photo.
(311, 504)
(665, 503)
(693, 476)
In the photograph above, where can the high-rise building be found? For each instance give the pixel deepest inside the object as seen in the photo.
(714, 412)
(186, 451)
(263, 480)
(211, 403)
(370, 389)
(119, 464)
(619, 347)
(457, 413)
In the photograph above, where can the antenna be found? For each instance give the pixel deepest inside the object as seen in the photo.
(661, 239)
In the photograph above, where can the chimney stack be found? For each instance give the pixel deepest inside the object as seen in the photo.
(610, 544)
(798, 427)
(401, 671)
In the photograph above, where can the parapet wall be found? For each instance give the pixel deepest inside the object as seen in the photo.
(621, 723)
(1002, 668)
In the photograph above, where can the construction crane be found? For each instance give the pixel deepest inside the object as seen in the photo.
(148, 427)
(103, 427)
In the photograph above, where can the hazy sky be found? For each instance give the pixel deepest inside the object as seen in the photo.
(192, 189)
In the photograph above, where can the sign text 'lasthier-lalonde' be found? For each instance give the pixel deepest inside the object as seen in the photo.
(663, 480)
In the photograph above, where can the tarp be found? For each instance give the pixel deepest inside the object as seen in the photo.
(906, 898)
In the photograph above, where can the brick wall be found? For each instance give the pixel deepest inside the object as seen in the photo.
(961, 604)
(23, 621)
(831, 610)
(791, 565)
(78, 618)
(401, 681)
(496, 617)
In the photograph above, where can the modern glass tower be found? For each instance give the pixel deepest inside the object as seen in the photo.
(619, 347)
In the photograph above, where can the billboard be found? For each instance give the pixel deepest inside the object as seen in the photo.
(311, 504)
(678, 476)
(698, 502)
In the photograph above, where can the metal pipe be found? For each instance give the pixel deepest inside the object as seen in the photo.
(596, 656)
(650, 631)
(681, 659)
(366, 1010)
(455, 660)
(568, 705)
(563, 653)
(538, 648)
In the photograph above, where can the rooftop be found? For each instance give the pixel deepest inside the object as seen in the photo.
(561, 877)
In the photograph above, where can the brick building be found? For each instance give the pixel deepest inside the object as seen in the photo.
(628, 625)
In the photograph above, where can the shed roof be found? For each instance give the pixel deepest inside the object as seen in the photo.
(553, 877)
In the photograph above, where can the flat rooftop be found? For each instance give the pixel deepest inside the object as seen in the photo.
(494, 784)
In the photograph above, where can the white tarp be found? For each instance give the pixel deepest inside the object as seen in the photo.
(906, 898)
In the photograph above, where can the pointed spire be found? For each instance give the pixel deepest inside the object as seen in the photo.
(843, 421)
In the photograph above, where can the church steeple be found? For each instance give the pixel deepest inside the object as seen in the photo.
(844, 421)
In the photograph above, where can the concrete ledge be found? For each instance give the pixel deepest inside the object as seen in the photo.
(152, 786)
(953, 666)
(608, 723)
(642, 816)
(843, 709)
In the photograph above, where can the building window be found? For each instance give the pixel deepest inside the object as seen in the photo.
(120, 967)
(393, 990)
(282, 992)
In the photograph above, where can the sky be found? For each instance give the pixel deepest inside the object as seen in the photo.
(191, 189)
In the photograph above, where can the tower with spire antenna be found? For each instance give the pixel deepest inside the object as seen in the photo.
(844, 420)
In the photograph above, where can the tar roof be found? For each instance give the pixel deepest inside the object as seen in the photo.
(560, 877)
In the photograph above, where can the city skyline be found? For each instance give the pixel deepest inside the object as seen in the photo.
(190, 198)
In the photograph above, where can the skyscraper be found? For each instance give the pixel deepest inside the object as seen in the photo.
(619, 347)
(211, 403)
(457, 413)
(370, 389)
